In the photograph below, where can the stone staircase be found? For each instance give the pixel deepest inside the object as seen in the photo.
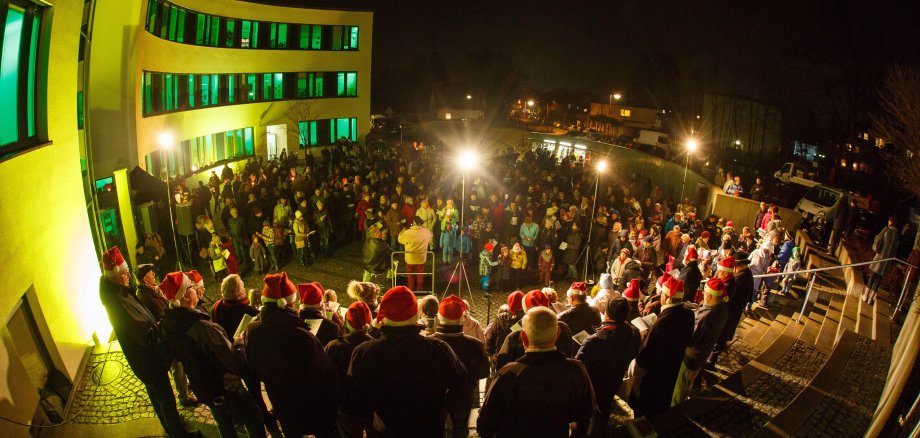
(785, 374)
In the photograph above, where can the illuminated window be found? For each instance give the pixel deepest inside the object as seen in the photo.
(326, 131)
(21, 30)
(169, 21)
(879, 143)
(198, 153)
(625, 113)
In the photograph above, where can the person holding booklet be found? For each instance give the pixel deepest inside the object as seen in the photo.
(581, 316)
(311, 312)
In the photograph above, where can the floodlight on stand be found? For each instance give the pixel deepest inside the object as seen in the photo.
(467, 159)
(692, 145)
(601, 166)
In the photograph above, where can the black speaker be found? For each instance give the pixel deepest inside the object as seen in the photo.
(185, 224)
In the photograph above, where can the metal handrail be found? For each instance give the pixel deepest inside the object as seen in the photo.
(813, 271)
(429, 259)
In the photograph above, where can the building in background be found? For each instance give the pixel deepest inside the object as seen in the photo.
(742, 133)
(94, 92)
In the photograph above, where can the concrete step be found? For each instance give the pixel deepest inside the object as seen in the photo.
(882, 327)
(814, 317)
(827, 335)
(849, 314)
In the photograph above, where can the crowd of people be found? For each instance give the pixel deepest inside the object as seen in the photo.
(664, 291)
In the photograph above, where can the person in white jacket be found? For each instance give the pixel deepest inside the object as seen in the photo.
(761, 259)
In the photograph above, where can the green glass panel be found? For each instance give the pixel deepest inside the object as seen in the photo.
(30, 83)
(317, 37)
(301, 85)
(351, 84)
(205, 89)
(279, 86)
(151, 16)
(304, 36)
(340, 84)
(313, 132)
(267, 86)
(168, 90)
(163, 31)
(354, 38)
(173, 21)
(9, 76)
(201, 28)
(337, 37)
(231, 89)
(230, 41)
(79, 110)
(247, 134)
(282, 35)
(245, 33)
(191, 91)
(255, 35)
(148, 104)
(251, 88)
(342, 128)
(214, 34)
(215, 88)
(354, 129)
(318, 86)
(180, 30)
(272, 33)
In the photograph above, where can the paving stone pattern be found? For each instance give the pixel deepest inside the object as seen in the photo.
(767, 396)
(848, 408)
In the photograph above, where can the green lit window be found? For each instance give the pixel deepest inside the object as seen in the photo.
(230, 40)
(180, 31)
(21, 25)
(196, 155)
(255, 35)
(231, 89)
(163, 29)
(316, 38)
(304, 36)
(272, 35)
(282, 36)
(151, 23)
(250, 88)
(326, 131)
(214, 32)
(79, 110)
(173, 23)
(191, 91)
(201, 28)
(148, 97)
(351, 84)
(307, 133)
(302, 85)
(245, 33)
(267, 86)
(279, 86)
(340, 84)
(353, 38)
(316, 85)
(215, 89)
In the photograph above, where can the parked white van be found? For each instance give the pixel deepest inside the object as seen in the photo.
(820, 199)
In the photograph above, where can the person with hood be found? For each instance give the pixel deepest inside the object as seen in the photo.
(502, 274)
(284, 354)
(605, 292)
(884, 246)
(659, 360)
(709, 321)
(518, 265)
(508, 315)
(323, 227)
(580, 316)
(607, 355)
(618, 266)
(352, 418)
(546, 262)
(471, 353)
(311, 312)
(792, 265)
(137, 332)
(485, 266)
(404, 372)
(761, 260)
(212, 363)
(572, 251)
(513, 347)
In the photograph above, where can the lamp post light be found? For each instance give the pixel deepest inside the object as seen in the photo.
(599, 169)
(615, 96)
(165, 140)
(692, 145)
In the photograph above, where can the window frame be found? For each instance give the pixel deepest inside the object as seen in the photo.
(31, 78)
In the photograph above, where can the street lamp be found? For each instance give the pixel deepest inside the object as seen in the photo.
(692, 145)
(467, 160)
(600, 168)
(615, 96)
(469, 96)
(165, 140)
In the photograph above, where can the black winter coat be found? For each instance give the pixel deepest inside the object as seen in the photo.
(660, 359)
(327, 330)
(472, 355)
(407, 379)
(376, 254)
(228, 314)
(709, 321)
(691, 276)
(606, 356)
(339, 351)
(298, 376)
(136, 330)
(537, 396)
(499, 329)
(580, 317)
(211, 362)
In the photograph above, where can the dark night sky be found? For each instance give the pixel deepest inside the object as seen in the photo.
(825, 56)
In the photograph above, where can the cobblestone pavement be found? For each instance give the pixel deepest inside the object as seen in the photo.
(767, 396)
(848, 408)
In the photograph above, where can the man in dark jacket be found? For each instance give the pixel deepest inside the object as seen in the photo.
(661, 355)
(406, 378)
(311, 303)
(499, 329)
(581, 316)
(513, 347)
(137, 333)
(758, 218)
(606, 356)
(471, 353)
(710, 319)
(690, 274)
(353, 417)
(542, 392)
(283, 353)
(740, 290)
(212, 363)
(376, 253)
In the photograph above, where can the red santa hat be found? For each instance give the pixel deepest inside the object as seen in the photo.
(716, 288)
(577, 288)
(451, 310)
(358, 316)
(278, 289)
(633, 292)
(691, 254)
(113, 264)
(704, 235)
(730, 224)
(727, 264)
(514, 301)
(398, 307)
(195, 277)
(673, 288)
(534, 298)
(174, 287)
(310, 295)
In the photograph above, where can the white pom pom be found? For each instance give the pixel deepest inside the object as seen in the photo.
(282, 302)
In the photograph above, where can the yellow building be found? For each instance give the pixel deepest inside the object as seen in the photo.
(89, 89)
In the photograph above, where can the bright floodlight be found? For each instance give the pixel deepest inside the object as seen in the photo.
(165, 140)
(467, 159)
(617, 96)
(530, 103)
(601, 165)
(692, 145)
(469, 96)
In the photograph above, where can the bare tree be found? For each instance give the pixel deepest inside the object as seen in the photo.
(899, 124)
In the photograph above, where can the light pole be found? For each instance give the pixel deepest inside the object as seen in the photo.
(466, 161)
(691, 147)
(600, 168)
(615, 96)
(166, 144)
